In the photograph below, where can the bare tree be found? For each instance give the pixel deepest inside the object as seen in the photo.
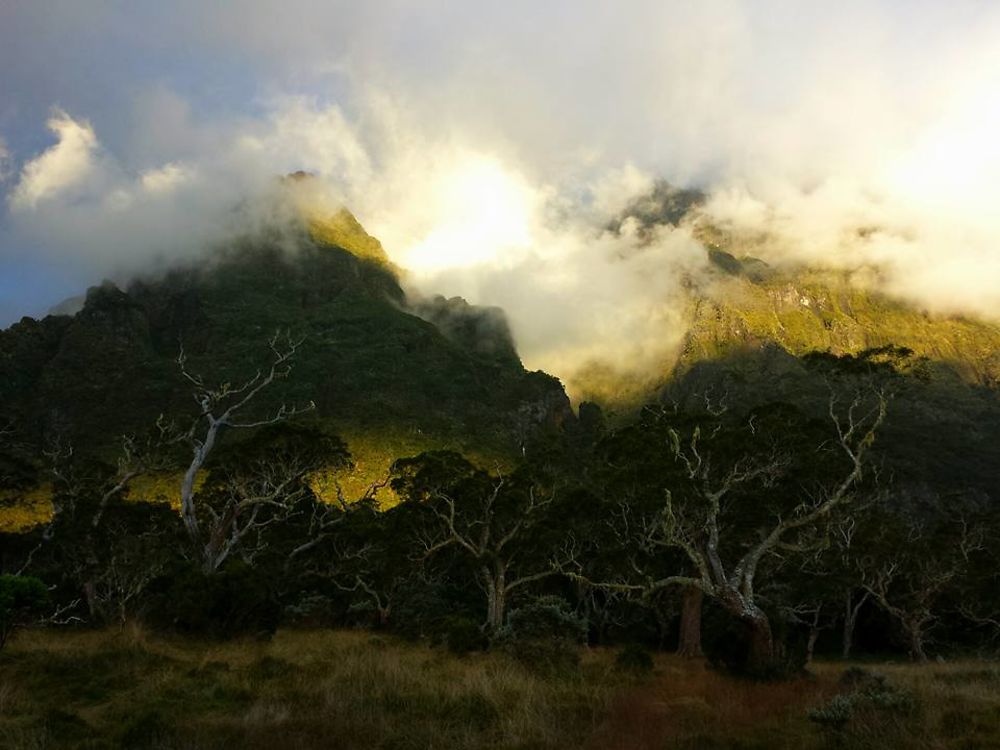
(132, 562)
(909, 574)
(222, 406)
(489, 520)
(726, 566)
(348, 545)
(489, 544)
(82, 493)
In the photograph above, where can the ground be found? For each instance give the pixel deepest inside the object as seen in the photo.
(340, 689)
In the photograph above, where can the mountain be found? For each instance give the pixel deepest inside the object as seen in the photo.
(390, 376)
(394, 375)
(750, 305)
(747, 325)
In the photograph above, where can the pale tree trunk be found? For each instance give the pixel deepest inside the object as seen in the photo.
(851, 611)
(496, 599)
(188, 511)
(689, 640)
(811, 644)
(814, 630)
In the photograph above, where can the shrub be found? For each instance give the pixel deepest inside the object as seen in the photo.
(870, 694)
(546, 617)
(233, 602)
(634, 658)
(311, 610)
(463, 635)
(21, 599)
(545, 636)
(419, 609)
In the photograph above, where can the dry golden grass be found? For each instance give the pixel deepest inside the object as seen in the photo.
(348, 689)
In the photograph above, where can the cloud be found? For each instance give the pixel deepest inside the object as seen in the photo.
(488, 144)
(60, 168)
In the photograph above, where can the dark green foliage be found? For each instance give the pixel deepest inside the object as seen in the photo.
(421, 608)
(22, 599)
(546, 618)
(544, 636)
(634, 658)
(464, 635)
(234, 601)
(870, 698)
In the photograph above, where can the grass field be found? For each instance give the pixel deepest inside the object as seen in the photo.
(340, 689)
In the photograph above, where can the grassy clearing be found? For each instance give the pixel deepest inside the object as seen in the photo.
(330, 689)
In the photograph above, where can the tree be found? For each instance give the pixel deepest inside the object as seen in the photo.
(738, 492)
(84, 489)
(222, 407)
(916, 556)
(22, 598)
(356, 548)
(259, 484)
(494, 521)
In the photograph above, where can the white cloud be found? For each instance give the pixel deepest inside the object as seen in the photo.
(62, 167)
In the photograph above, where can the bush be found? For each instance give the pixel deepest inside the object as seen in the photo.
(546, 617)
(545, 636)
(233, 602)
(21, 599)
(634, 658)
(419, 609)
(463, 635)
(870, 695)
(311, 610)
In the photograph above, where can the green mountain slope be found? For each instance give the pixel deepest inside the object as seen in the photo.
(387, 380)
(808, 310)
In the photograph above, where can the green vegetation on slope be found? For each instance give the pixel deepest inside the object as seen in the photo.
(382, 377)
(816, 311)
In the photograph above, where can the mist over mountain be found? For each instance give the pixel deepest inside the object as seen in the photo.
(395, 373)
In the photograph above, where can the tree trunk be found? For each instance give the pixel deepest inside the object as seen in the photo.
(851, 611)
(814, 630)
(90, 594)
(811, 644)
(916, 638)
(850, 616)
(761, 656)
(496, 601)
(689, 641)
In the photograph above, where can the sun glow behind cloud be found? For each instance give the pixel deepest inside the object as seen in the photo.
(479, 212)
